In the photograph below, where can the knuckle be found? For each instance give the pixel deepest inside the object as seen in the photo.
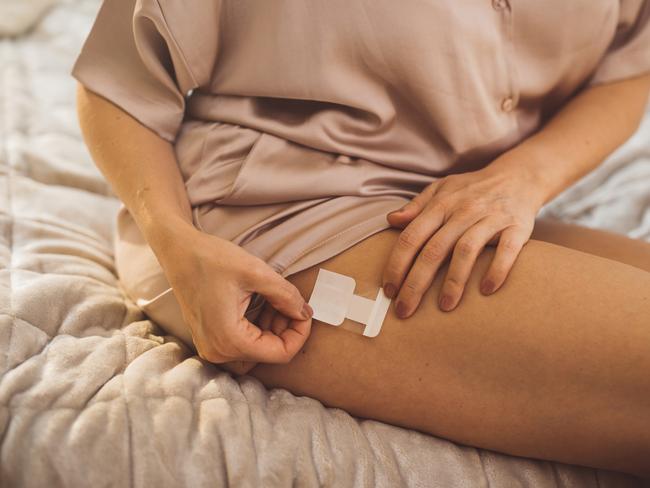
(454, 282)
(433, 253)
(510, 245)
(466, 248)
(509, 220)
(409, 291)
(438, 206)
(406, 239)
(467, 208)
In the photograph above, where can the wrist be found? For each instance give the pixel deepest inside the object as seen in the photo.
(532, 167)
(166, 234)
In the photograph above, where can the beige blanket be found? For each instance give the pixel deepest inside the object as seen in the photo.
(91, 393)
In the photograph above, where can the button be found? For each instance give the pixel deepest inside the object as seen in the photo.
(500, 4)
(507, 104)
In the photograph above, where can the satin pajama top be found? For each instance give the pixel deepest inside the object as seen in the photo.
(298, 124)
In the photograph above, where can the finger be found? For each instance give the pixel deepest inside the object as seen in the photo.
(265, 346)
(401, 216)
(226, 355)
(428, 261)
(463, 259)
(408, 245)
(265, 318)
(238, 367)
(494, 240)
(278, 291)
(511, 242)
(212, 354)
(280, 324)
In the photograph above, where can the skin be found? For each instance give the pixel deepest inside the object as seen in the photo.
(556, 333)
(553, 366)
(143, 171)
(458, 215)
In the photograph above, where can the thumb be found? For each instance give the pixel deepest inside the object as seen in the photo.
(402, 216)
(267, 347)
(281, 294)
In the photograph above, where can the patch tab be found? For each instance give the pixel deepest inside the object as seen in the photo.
(333, 300)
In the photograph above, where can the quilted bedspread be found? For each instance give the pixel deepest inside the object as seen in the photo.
(92, 393)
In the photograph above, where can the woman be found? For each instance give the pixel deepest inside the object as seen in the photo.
(252, 144)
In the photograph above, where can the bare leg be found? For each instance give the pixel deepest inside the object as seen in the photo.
(602, 243)
(554, 365)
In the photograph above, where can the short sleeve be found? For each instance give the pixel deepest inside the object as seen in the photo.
(134, 58)
(628, 54)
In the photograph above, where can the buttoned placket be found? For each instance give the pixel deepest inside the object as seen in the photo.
(509, 100)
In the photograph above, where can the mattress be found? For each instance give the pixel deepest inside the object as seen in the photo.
(93, 394)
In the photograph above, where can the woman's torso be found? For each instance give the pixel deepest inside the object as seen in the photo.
(380, 93)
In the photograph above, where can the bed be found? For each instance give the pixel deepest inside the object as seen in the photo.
(93, 394)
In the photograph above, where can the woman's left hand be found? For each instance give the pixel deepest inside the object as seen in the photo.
(460, 214)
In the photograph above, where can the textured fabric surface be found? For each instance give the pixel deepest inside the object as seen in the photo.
(17, 16)
(91, 393)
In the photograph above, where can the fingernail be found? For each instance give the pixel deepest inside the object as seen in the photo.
(307, 311)
(446, 303)
(399, 210)
(401, 310)
(390, 290)
(487, 287)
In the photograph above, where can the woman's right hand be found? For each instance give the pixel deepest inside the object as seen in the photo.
(213, 281)
(212, 278)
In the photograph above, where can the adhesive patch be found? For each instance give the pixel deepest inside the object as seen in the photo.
(333, 300)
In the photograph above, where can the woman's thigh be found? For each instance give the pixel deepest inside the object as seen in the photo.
(553, 365)
(602, 243)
